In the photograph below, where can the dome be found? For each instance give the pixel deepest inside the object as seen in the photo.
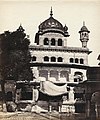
(84, 28)
(52, 25)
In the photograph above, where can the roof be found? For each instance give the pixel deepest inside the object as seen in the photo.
(66, 49)
(84, 28)
(51, 24)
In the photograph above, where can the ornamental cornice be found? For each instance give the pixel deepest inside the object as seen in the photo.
(61, 49)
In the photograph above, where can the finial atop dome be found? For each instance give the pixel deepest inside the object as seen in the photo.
(84, 28)
(83, 23)
(51, 12)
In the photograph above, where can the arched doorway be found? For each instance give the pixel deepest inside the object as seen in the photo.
(95, 99)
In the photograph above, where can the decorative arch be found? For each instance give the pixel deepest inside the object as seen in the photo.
(71, 60)
(81, 61)
(60, 59)
(34, 58)
(59, 42)
(78, 76)
(53, 42)
(53, 59)
(95, 98)
(76, 60)
(46, 41)
(46, 58)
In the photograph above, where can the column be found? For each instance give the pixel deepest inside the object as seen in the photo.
(49, 42)
(71, 94)
(59, 108)
(48, 74)
(87, 108)
(59, 75)
(92, 111)
(35, 94)
(50, 108)
(65, 42)
(56, 44)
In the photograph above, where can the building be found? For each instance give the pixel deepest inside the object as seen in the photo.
(92, 93)
(53, 60)
(98, 59)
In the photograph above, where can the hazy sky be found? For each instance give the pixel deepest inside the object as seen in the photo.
(30, 13)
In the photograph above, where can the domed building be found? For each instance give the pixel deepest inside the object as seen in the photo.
(53, 61)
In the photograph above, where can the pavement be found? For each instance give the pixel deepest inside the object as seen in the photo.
(7, 114)
(37, 116)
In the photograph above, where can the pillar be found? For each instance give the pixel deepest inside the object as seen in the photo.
(48, 74)
(35, 95)
(56, 44)
(92, 111)
(90, 108)
(50, 108)
(59, 75)
(59, 108)
(71, 94)
(49, 42)
(65, 42)
(87, 107)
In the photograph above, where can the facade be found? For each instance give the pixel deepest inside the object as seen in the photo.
(53, 60)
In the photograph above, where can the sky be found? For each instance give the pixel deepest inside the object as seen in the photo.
(30, 13)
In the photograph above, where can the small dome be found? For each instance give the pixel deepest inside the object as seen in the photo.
(84, 28)
(65, 28)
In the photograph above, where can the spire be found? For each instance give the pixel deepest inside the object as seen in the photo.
(51, 12)
(83, 23)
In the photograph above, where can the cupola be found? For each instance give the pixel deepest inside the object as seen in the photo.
(84, 35)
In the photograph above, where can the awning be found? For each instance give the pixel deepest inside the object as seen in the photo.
(49, 88)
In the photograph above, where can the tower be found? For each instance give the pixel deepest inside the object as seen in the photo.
(84, 35)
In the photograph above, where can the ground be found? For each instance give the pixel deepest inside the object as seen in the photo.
(39, 116)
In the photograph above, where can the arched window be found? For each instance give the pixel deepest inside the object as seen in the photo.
(81, 61)
(53, 42)
(33, 58)
(59, 42)
(46, 58)
(78, 76)
(76, 60)
(46, 41)
(60, 59)
(53, 59)
(71, 60)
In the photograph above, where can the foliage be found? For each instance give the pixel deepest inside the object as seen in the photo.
(15, 55)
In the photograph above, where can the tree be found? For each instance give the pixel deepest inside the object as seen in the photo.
(14, 57)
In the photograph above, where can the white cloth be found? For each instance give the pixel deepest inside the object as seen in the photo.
(51, 89)
(38, 109)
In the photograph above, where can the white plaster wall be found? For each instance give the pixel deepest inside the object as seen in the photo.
(65, 55)
(53, 35)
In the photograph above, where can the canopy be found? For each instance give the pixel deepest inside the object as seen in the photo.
(51, 89)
